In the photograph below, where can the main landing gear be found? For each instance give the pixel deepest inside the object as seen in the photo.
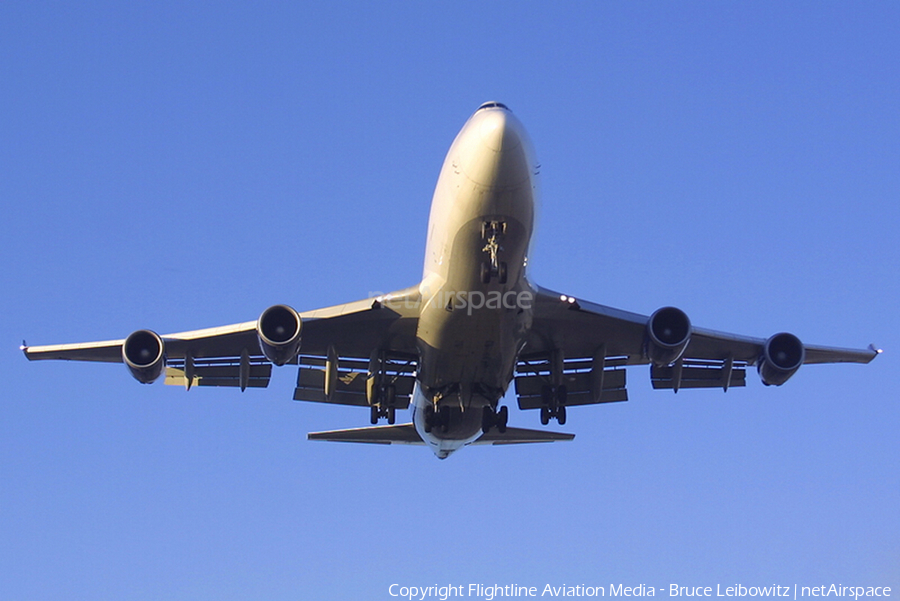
(377, 412)
(554, 404)
(491, 418)
(491, 233)
(381, 398)
(437, 419)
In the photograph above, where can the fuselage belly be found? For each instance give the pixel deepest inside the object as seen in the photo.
(476, 302)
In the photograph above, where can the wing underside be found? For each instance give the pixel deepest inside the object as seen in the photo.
(583, 348)
(576, 353)
(231, 355)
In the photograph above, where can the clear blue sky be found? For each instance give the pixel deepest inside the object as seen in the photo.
(184, 165)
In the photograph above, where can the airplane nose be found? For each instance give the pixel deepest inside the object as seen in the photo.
(500, 131)
(497, 155)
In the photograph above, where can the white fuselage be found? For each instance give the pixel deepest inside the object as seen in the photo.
(476, 302)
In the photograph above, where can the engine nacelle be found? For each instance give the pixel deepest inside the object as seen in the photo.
(278, 330)
(144, 352)
(668, 334)
(782, 356)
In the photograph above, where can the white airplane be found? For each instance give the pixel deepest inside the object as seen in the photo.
(451, 345)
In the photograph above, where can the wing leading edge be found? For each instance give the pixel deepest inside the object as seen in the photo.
(232, 356)
(575, 354)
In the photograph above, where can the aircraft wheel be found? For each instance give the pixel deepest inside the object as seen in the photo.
(502, 275)
(502, 418)
(373, 416)
(485, 273)
(392, 415)
(561, 416)
(487, 419)
(445, 419)
(545, 416)
(429, 418)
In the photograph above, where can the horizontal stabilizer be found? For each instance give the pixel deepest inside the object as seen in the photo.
(521, 436)
(406, 434)
(402, 434)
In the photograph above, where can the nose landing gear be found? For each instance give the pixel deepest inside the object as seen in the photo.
(492, 232)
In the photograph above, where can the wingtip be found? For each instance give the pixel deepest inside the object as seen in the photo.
(875, 350)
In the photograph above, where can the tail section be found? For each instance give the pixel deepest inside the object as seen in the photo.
(406, 434)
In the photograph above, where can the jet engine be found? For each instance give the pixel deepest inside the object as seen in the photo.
(668, 334)
(144, 352)
(278, 330)
(782, 356)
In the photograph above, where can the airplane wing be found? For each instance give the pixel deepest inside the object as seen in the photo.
(232, 356)
(585, 347)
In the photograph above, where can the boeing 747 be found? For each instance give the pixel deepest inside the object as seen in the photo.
(450, 346)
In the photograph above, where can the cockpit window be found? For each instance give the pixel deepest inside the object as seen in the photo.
(493, 105)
